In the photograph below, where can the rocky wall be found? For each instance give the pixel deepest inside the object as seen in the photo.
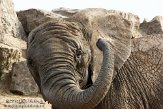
(12, 52)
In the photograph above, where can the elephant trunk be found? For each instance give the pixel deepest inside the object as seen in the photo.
(60, 87)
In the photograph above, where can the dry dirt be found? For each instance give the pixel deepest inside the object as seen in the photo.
(11, 101)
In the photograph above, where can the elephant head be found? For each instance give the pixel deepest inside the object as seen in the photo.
(61, 58)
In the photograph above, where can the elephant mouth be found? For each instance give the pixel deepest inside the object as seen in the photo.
(87, 79)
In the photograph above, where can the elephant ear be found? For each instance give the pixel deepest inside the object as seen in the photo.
(115, 29)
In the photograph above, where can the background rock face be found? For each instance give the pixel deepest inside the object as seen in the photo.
(22, 82)
(155, 26)
(12, 50)
(65, 11)
(8, 56)
(10, 25)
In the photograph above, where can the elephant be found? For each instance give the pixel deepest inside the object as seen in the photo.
(138, 83)
(86, 62)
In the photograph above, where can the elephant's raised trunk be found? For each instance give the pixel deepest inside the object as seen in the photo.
(57, 75)
(61, 89)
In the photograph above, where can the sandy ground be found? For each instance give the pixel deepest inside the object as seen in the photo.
(10, 101)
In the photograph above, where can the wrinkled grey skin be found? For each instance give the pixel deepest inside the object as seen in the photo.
(63, 59)
(139, 82)
(59, 58)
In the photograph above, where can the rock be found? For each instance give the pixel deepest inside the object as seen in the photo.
(22, 81)
(32, 18)
(14, 43)
(8, 56)
(65, 11)
(11, 43)
(9, 23)
(155, 26)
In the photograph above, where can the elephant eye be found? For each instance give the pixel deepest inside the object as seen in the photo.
(78, 56)
(78, 52)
